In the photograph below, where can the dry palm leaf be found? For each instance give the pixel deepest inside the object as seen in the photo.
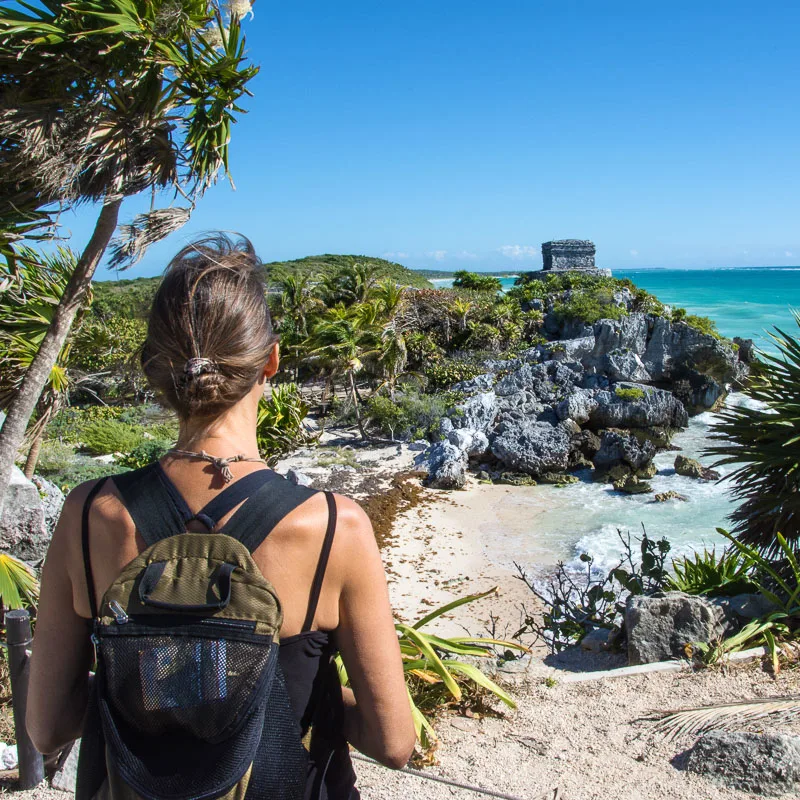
(129, 245)
(694, 721)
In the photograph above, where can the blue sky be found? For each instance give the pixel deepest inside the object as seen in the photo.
(463, 134)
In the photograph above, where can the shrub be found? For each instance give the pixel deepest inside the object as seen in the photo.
(279, 428)
(107, 436)
(54, 456)
(450, 371)
(629, 393)
(483, 336)
(703, 324)
(69, 423)
(476, 282)
(337, 456)
(145, 453)
(383, 412)
(705, 574)
(81, 471)
(576, 603)
(590, 306)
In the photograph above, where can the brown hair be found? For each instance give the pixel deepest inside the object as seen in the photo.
(210, 333)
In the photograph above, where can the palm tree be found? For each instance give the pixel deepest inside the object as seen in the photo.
(340, 342)
(26, 311)
(765, 442)
(99, 101)
(461, 309)
(392, 357)
(389, 296)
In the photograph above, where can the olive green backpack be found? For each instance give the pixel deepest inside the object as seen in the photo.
(189, 702)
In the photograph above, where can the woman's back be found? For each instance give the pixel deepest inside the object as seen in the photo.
(209, 352)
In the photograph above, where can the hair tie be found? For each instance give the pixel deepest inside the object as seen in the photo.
(199, 366)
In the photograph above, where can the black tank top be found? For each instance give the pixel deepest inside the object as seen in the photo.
(306, 658)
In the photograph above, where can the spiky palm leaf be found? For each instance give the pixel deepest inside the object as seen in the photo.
(765, 443)
(18, 584)
(695, 721)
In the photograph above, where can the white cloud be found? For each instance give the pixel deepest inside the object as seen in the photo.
(519, 251)
(634, 253)
(439, 255)
(788, 254)
(464, 255)
(395, 255)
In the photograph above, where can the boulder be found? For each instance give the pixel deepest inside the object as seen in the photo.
(587, 443)
(660, 626)
(568, 349)
(480, 383)
(548, 382)
(691, 468)
(663, 497)
(532, 447)
(445, 464)
(558, 478)
(632, 485)
(747, 350)
(52, 501)
(460, 438)
(624, 365)
(577, 406)
(23, 531)
(763, 764)
(653, 408)
(297, 477)
(478, 412)
(479, 446)
(621, 448)
(515, 479)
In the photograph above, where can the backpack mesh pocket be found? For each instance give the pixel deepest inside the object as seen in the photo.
(200, 680)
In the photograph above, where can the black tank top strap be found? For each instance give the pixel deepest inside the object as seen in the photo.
(87, 561)
(319, 575)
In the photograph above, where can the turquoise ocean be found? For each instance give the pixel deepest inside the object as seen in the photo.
(540, 525)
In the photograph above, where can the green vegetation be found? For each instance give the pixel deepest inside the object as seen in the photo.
(764, 443)
(412, 416)
(476, 282)
(629, 393)
(144, 453)
(108, 436)
(280, 422)
(590, 306)
(435, 676)
(318, 266)
(707, 574)
(19, 587)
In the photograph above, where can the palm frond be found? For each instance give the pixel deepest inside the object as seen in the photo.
(18, 585)
(694, 721)
(128, 247)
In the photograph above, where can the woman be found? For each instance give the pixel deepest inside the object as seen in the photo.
(209, 352)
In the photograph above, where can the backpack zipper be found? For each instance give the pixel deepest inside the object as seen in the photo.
(119, 612)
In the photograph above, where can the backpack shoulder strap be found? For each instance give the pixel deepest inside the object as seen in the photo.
(155, 511)
(319, 575)
(264, 509)
(87, 561)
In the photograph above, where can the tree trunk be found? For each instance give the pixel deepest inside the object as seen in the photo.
(33, 453)
(24, 402)
(356, 406)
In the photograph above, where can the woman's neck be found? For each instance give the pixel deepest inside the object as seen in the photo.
(229, 434)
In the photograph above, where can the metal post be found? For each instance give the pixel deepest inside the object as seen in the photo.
(18, 636)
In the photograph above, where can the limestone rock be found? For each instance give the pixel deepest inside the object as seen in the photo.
(532, 447)
(624, 365)
(515, 479)
(620, 448)
(460, 438)
(297, 477)
(558, 478)
(628, 333)
(480, 383)
(598, 640)
(691, 468)
(763, 764)
(587, 443)
(23, 531)
(479, 446)
(632, 485)
(478, 412)
(655, 408)
(663, 497)
(578, 406)
(445, 464)
(66, 774)
(660, 626)
(52, 501)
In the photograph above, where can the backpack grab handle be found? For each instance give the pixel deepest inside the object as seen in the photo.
(221, 580)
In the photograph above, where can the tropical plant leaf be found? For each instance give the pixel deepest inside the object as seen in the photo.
(694, 721)
(450, 606)
(18, 585)
(474, 674)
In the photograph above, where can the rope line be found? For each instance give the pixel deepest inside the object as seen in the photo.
(554, 794)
